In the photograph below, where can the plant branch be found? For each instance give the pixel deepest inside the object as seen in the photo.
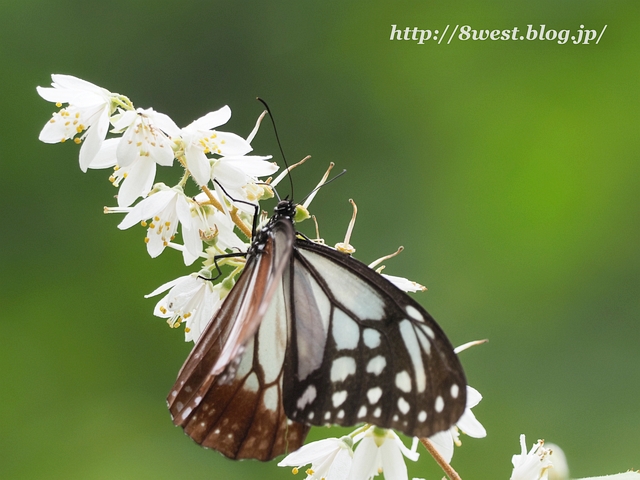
(448, 469)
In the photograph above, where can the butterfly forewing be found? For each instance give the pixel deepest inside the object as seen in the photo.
(363, 351)
(228, 395)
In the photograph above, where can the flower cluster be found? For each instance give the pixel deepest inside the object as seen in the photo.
(215, 221)
(549, 463)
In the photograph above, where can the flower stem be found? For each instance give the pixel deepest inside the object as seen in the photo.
(448, 469)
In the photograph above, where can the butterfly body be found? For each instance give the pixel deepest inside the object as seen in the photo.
(311, 336)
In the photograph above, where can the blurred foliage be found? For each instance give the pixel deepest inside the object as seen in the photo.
(508, 170)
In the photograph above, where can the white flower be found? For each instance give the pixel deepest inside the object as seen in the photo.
(238, 174)
(89, 109)
(200, 138)
(404, 283)
(379, 451)
(532, 465)
(330, 459)
(166, 208)
(142, 146)
(468, 424)
(557, 469)
(191, 300)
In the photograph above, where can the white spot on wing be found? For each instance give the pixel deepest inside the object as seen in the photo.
(362, 412)
(374, 394)
(377, 412)
(439, 405)
(345, 331)
(371, 338)
(424, 341)
(341, 368)
(455, 390)
(327, 415)
(414, 313)
(251, 383)
(307, 397)
(348, 288)
(270, 398)
(338, 398)
(340, 414)
(185, 413)
(403, 405)
(422, 416)
(403, 381)
(376, 365)
(411, 342)
(272, 337)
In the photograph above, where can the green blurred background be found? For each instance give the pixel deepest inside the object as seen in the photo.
(508, 170)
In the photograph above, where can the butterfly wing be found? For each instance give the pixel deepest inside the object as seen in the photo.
(362, 350)
(228, 395)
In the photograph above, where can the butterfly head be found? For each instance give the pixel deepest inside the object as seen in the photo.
(285, 208)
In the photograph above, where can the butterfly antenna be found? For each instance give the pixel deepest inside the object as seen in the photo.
(284, 159)
(321, 184)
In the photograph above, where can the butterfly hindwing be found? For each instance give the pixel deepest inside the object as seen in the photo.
(363, 351)
(228, 395)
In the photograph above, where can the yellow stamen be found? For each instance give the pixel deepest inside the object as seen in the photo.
(77, 141)
(187, 329)
(146, 239)
(112, 179)
(143, 223)
(309, 472)
(156, 218)
(163, 310)
(295, 470)
(58, 104)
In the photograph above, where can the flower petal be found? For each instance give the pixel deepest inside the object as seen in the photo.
(393, 461)
(138, 182)
(93, 141)
(212, 119)
(106, 156)
(198, 164)
(443, 443)
(147, 208)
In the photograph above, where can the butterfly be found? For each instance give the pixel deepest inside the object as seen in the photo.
(311, 336)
